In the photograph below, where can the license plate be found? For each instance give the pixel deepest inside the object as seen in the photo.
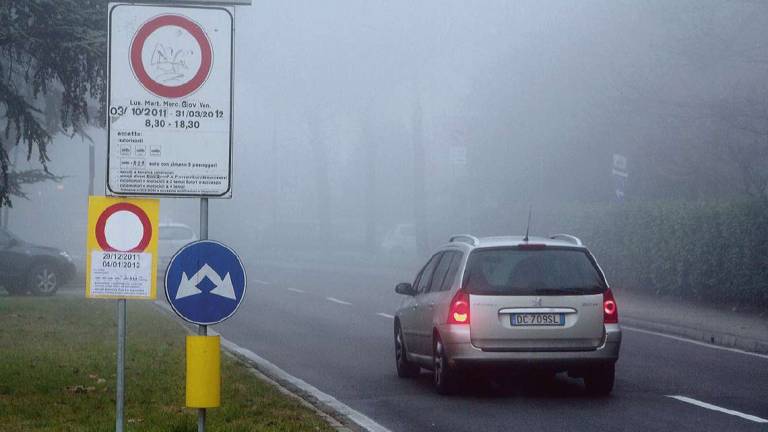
(537, 319)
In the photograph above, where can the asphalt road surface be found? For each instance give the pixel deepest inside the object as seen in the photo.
(334, 331)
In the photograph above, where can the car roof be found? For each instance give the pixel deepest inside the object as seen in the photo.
(501, 241)
(173, 224)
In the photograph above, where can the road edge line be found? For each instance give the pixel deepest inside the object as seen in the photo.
(713, 407)
(694, 342)
(707, 337)
(323, 403)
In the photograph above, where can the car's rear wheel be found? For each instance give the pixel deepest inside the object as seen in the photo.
(599, 381)
(444, 378)
(43, 280)
(405, 369)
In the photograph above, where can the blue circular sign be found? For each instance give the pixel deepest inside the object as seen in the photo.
(205, 282)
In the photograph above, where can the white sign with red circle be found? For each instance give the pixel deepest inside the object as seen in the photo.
(171, 56)
(122, 243)
(170, 100)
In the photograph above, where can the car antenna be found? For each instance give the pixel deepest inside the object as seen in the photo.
(528, 227)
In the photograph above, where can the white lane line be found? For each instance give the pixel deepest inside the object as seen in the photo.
(382, 314)
(258, 281)
(695, 342)
(335, 300)
(717, 408)
(296, 290)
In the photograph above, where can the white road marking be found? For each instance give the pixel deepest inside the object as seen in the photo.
(720, 409)
(296, 290)
(695, 342)
(382, 314)
(335, 300)
(262, 282)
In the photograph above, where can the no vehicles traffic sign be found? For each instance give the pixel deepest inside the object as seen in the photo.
(170, 101)
(164, 72)
(121, 258)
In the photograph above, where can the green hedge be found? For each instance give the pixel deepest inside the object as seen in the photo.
(711, 251)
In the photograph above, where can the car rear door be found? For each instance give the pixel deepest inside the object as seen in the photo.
(428, 302)
(410, 321)
(422, 332)
(544, 299)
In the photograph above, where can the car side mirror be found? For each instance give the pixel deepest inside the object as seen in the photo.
(405, 288)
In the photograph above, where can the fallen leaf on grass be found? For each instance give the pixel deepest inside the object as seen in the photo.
(172, 409)
(80, 389)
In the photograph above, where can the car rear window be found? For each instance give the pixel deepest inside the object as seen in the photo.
(546, 271)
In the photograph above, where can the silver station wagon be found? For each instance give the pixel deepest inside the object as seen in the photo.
(501, 303)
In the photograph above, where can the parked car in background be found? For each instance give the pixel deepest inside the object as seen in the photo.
(399, 243)
(26, 267)
(501, 303)
(172, 237)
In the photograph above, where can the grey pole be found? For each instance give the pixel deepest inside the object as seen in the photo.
(120, 399)
(202, 330)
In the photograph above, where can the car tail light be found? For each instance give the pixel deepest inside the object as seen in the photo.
(610, 310)
(458, 312)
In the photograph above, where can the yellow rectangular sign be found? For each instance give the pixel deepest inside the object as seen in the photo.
(121, 250)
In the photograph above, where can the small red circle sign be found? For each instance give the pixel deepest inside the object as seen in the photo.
(166, 62)
(101, 228)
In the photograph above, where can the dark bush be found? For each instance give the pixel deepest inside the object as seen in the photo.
(712, 251)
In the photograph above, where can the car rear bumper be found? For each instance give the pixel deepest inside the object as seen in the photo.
(462, 354)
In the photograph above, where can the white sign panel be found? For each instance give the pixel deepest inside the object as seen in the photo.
(121, 274)
(170, 101)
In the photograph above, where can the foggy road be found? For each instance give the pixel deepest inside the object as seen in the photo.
(334, 331)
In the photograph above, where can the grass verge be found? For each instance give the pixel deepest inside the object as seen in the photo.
(57, 373)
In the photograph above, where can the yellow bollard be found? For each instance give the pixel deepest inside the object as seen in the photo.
(203, 371)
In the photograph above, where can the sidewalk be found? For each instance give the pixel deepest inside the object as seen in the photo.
(746, 331)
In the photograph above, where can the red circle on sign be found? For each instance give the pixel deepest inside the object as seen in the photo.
(101, 223)
(206, 56)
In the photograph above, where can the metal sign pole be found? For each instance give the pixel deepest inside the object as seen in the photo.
(202, 330)
(120, 398)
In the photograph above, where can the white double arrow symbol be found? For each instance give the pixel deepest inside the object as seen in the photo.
(188, 286)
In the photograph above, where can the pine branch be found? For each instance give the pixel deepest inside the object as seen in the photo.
(45, 45)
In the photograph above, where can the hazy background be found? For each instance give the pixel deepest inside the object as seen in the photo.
(352, 117)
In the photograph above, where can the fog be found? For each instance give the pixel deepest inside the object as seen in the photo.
(353, 117)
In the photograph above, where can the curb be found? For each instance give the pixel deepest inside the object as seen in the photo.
(322, 402)
(338, 415)
(722, 339)
(332, 421)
